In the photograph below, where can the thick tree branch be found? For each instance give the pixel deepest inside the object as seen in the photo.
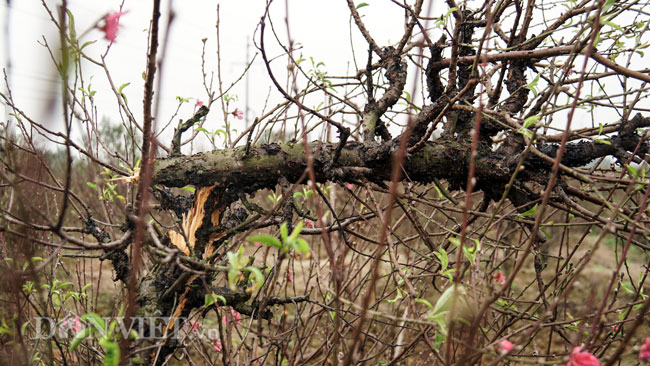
(446, 159)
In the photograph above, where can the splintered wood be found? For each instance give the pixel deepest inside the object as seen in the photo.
(193, 220)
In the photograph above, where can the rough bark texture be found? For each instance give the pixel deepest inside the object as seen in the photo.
(264, 165)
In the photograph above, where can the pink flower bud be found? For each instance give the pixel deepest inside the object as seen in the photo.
(504, 346)
(644, 353)
(216, 344)
(238, 113)
(112, 24)
(579, 358)
(501, 279)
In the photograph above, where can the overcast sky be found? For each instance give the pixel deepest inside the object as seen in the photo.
(322, 29)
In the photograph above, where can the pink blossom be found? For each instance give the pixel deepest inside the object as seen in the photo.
(501, 279)
(349, 186)
(644, 353)
(504, 346)
(290, 274)
(195, 326)
(69, 323)
(199, 103)
(257, 243)
(309, 223)
(235, 315)
(216, 344)
(112, 24)
(238, 113)
(77, 324)
(579, 358)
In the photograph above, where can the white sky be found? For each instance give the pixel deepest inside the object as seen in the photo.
(321, 27)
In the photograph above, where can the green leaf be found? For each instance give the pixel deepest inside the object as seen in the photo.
(442, 256)
(296, 231)
(133, 335)
(71, 27)
(361, 5)
(613, 25)
(632, 171)
(526, 133)
(266, 240)
(530, 121)
(530, 212)
(88, 43)
(232, 278)
(453, 299)
(399, 297)
(112, 352)
(259, 277)
(220, 298)
(607, 6)
(214, 299)
(302, 246)
(470, 252)
(532, 86)
(440, 337)
(63, 285)
(95, 320)
(92, 185)
(455, 241)
(627, 288)
(425, 302)
(284, 232)
(17, 117)
(111, 328)
(446, 17)
(119, 90)
(78, 338)
(190, 189)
